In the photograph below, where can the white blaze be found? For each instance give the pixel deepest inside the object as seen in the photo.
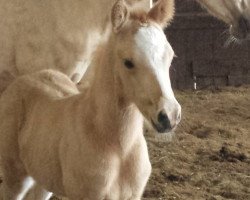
(156, 50)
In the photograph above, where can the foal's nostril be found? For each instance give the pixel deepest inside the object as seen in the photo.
(163, 124)
(162, 117)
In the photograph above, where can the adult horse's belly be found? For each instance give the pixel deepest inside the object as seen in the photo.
(59, 35)
(36, 36)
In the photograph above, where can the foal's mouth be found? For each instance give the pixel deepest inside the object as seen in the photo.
(160, 128)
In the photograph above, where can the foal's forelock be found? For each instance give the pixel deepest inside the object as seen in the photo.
(153, 45)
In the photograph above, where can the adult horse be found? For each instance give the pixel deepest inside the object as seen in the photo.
(60, 35)
(236, 13)
(90, 145)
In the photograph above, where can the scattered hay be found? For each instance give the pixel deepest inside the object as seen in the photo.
(226, 155)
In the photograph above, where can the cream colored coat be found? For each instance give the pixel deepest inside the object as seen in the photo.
(52, 34)
(90, 146)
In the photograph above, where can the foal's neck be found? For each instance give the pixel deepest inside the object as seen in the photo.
(115, 116)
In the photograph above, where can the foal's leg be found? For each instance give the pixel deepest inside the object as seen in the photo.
(37, 193)
(15, 182)
(136, 171)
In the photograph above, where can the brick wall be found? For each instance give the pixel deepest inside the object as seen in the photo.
(199, 43)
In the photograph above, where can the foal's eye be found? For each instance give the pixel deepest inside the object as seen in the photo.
(129, 64)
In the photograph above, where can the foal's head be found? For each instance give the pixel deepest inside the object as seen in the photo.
(143, 57)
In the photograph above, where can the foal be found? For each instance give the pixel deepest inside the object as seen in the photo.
(90, 146)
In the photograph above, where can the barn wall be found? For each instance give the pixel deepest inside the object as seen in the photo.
(199, 43)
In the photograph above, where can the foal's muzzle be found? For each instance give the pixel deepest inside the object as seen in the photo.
(163, 124)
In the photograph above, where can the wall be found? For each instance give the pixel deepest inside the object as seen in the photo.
(199, 43)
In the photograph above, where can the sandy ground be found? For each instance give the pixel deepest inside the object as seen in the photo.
(209, 155)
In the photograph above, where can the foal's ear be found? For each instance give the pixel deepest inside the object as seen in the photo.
(162, 12)
(119, 15)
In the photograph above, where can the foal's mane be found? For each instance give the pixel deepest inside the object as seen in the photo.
(139, 15)
(166, 10)
(161, 13)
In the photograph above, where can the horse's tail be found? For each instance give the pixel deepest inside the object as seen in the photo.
(6, 78)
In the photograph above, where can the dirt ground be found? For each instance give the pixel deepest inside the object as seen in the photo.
(209, 155)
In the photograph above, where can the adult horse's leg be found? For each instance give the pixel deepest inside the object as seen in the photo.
(15, 179)
(6, 79)
(80, 70)
(38, 193)
(15, 182)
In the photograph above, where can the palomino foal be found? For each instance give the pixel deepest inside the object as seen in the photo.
(90, 146)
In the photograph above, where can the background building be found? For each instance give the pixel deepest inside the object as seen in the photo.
(199, 42)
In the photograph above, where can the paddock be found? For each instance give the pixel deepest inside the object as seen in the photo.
(209, 156)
